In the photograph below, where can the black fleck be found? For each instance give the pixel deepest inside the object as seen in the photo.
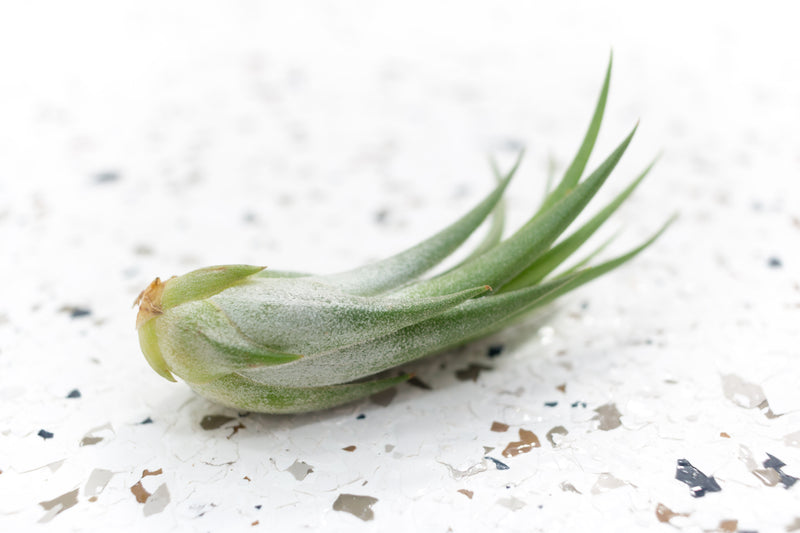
(698, 482)
(499, 464)
(495, 350)
(576, 404)
(776, 464)
(74, 393)
(362, 416)
(775, 262)
(45, 434)
(76, 312)
(147, 420)
(258, 507)
(107, 176)
(550, 404)
(416, 382)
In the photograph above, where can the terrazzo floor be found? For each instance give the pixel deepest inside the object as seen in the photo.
(143, 139)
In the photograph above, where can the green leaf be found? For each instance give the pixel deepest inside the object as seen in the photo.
(243, 393)
(506, 260)
(573, 174)
(494, 235)
(577, 278)
(204, 282)
(306, 315)
(148, 341)
(408, 265)
(548, 262)
(450, 328)
(198, 343)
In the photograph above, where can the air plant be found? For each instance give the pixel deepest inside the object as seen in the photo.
(286, 342)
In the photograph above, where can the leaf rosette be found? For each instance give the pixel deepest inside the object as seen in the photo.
(286, 342)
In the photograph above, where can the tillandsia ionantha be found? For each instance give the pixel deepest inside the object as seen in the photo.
(285, 342)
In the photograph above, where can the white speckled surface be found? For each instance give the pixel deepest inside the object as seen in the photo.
(144, 139)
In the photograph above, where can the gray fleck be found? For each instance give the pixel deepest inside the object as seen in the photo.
(97, 481)
(609, 417)
(515, 504)
(471, 471)
(300, 470)
(558, 430)
(792, 439)
(90, 438)
(210, 422)
(607, 481)
(358, 506)
(58, 505)
(158, 501)
(384, 397)
(472, 372)
(569, 487)
(742, 393)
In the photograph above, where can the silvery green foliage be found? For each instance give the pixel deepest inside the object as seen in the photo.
(285, 342)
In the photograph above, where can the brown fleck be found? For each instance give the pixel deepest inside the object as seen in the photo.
(499, 427)
(210, 422)
(350, 448)
(724, 435)
(528, 441)
(147, 472)
(139, 491)
(558, 430)
(358, 506)
(609, 417)
(384, 397)
(665, 514)
(471, 372)
(236, 429)
(59, 504)
(254, 523)
(93, 499)
(467, 493)
(729, 526)
(247, 478)
(562, 387)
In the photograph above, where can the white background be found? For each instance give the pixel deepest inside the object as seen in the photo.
(315, 137)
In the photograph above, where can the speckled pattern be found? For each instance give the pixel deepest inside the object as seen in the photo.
(145, 140)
